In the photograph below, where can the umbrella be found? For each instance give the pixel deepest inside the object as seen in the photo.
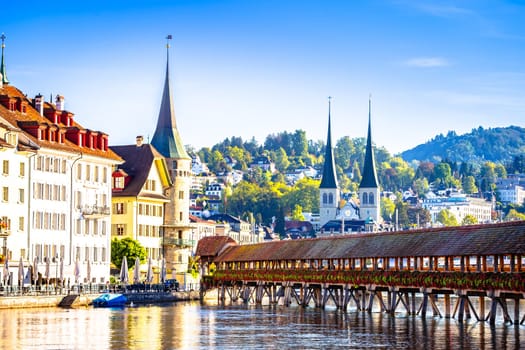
(21, 272)
(35, 269)
(47, 273)
(77, 271)
(61, 272)
(163, 270)
(6, 271)
(88, 273)
(149, 274)
(136, 271)
(124, 271)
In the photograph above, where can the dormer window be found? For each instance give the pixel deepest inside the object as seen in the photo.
(118, 183)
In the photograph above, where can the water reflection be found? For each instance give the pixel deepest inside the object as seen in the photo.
(195, 326)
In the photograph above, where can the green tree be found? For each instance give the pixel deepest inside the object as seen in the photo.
(446, 218)
(388, 207)
(126, 247)
(281, 159)
(420, 186)
(343, 152)
(297, 213)
(469, 220)
(469, 184)
(418, 217)
(514, 215)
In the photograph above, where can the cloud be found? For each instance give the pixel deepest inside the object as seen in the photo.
(427, 62)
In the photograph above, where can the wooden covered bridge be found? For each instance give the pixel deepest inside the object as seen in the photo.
(452, 271)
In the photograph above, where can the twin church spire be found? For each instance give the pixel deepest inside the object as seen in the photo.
(368, 189)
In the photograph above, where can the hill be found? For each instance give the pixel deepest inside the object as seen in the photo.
(499, 145)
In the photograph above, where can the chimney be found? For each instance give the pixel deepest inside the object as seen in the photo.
(139, 140)
(39, 103)
(60, 102)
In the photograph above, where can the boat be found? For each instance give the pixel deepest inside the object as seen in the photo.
(109, 300)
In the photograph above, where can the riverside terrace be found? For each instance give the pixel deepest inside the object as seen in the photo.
(411, 268)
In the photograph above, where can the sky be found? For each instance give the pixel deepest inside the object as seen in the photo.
(255, 68)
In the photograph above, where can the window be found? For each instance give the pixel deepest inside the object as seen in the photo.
(180, 216)
(96, 173)
(181, 194)
(5, 194)
(370, 198)
(365, 198)
(120, 229)
(330, 198)
(22, 171)
(5, 167)
(118, 182)
(118, 208)
(104, 175)
(39, 162)
(88, 172)
(79, 172)
(21, 195)
(325, 198)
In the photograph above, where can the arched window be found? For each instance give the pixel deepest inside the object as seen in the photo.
(371, 198)
(330, 198)
(325, 198)
(365, 198)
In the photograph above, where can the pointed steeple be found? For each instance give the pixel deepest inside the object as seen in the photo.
(369, 179)
(329, 179)
(2, 64)
(166, 138)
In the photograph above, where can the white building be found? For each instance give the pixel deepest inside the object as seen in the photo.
(460, 206)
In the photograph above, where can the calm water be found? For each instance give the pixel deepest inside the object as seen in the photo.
(196, 326)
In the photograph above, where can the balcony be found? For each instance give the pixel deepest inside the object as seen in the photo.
(183, 243)
(95, 211)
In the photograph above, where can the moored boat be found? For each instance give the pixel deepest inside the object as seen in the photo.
(109, 300)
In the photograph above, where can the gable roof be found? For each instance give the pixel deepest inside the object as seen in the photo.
(496, 239)
(33, 117)
(211, 246)
(139, 161)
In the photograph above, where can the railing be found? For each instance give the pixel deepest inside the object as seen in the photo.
(481, 281)
(179, 242)
(95, 210)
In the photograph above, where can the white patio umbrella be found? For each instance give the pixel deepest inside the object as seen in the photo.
(21, 273)
(6, 271)
(35, 270)
(88, 272)
(47, 270)
(61, 272)
(163, 270)
(76, 271)
(136, 271)
(124, 278)
(149, 274)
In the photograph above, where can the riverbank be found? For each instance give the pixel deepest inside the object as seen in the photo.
(84, 300)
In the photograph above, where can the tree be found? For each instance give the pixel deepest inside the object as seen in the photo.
(469, 220)
(446, 218)
(297, 213)
(343, 152)
(469, 185)
(388, 207)
(514, 215)
(281, 159)
(418, 217)
(126, 247)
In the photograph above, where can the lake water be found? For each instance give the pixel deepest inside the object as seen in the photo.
(191, 325)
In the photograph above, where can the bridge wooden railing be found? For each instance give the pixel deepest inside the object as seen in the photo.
(475, 281)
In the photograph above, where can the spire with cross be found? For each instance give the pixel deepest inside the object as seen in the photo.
(2, 64)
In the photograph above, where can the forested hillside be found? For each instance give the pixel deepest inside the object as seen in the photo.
(498, 145)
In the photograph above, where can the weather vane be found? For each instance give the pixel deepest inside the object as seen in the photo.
(168, 38)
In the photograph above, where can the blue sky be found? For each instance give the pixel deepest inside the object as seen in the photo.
(253, 68)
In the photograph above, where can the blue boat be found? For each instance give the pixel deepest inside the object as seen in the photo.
(110, 300)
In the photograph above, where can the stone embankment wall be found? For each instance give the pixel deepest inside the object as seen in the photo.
(31, 301)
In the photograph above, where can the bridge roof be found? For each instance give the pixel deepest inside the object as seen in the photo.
(495, 239)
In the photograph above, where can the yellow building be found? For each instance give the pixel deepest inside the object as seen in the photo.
(139, 187)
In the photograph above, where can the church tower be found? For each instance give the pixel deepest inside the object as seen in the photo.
(166, 139)
(370, 210)
(329, 196)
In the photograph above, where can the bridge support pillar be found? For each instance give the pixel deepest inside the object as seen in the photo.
(447, 305)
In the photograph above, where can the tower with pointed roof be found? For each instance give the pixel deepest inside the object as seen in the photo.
(369, 188)
(3, 74)
(329, 195)
(167, 140)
